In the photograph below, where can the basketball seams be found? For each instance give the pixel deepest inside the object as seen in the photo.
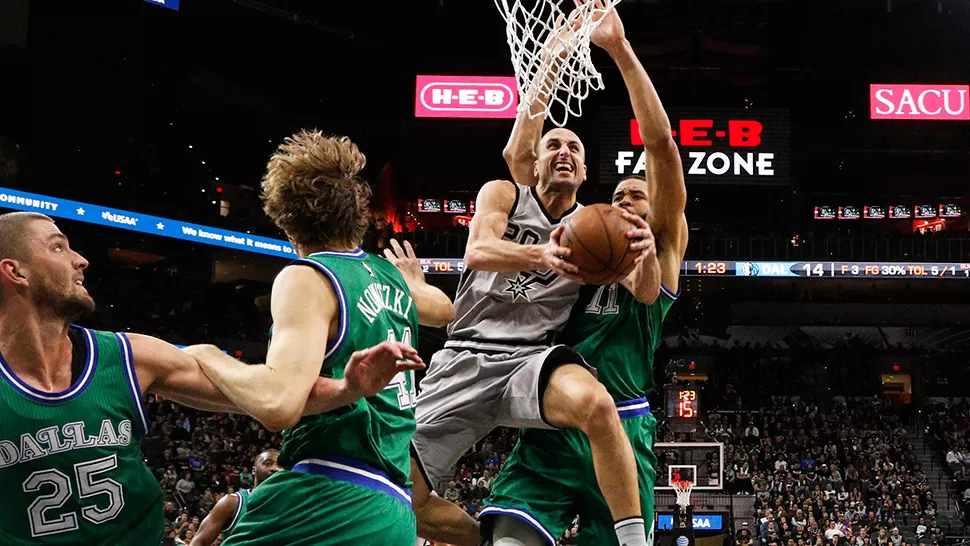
(574, 236)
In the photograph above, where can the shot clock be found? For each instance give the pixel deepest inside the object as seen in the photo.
(683, 406)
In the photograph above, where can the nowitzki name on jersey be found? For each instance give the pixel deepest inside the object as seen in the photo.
(69, 437)
(378, 297)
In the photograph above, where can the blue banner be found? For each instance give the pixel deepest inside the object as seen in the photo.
(144, 223)
(702, 522)
(170, 4)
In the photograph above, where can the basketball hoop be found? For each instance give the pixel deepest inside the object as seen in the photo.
(551, 53)
(683, 490)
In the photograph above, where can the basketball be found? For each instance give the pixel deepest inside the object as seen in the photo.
(598, 245)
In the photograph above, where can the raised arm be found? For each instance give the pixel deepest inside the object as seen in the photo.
(665, 173)
(487, 250)
(521, 150)
(434, 306)
(216, 522)
(644, 281)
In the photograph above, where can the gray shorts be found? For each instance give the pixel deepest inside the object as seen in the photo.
(466, 394)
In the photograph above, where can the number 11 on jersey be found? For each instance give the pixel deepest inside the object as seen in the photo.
(404, 381)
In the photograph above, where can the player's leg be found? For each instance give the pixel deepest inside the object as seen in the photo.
(538, 485)
(438, 519)
(597, 527)
(512, 531)
(287, 509)
(573, 398)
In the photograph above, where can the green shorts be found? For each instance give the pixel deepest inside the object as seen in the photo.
(549, 479)
(324, 505)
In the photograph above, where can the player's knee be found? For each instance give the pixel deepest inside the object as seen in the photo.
(596, 408)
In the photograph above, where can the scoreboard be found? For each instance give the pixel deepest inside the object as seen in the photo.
(727, 268)
(683, 406)
(835, 270)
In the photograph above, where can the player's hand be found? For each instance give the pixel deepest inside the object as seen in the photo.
(558, 43)
(370, 370)
(405, 260)
(555, 256)
(610, 31)
(641, 236)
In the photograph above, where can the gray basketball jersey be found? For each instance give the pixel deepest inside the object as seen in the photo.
(508, 311)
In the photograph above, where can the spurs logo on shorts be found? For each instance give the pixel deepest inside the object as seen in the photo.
(526, 281)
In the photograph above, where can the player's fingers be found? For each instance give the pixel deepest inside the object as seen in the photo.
(408, 250)
(563, 265)
(390, 256)
(634, 219)
(559, 251)
(398, 251)
(406, 365)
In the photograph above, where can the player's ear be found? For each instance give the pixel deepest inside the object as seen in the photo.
(585, 172)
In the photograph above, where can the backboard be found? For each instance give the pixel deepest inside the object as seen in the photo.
(699, 462)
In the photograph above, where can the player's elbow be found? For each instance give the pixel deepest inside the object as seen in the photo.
(279, 416)
(648, 294)
(442, 313)
(475, 256)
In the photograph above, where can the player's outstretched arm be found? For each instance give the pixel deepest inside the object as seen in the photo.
(163, 369)
(488, 251)
(217, 520)
(288, 385)
(434, 306)
(304, 305)
(665, 173)
(644, 281)
(521, 150)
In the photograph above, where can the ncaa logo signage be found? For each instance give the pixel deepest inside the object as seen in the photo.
(923, 102)
(701, 522)
(465, 97)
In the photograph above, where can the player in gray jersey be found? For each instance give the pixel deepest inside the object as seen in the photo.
(498, 367)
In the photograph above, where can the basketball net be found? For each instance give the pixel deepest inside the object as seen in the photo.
(551, 53)
(683, 490)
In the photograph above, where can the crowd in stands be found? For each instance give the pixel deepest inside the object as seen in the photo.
(840, 473)
(198, 457)
(947, 426)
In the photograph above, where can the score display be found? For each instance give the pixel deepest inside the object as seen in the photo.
(836, 270)
(825, 212)
(874, 212)
(429, 205)
(687, 404)
(849, 212)
(950, 210)
(456, 206)
(924, 211)
(728, 268)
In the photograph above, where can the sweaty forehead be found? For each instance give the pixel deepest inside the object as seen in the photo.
(562, 134)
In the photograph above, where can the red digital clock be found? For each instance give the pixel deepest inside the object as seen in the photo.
(683, 403)
(687, 404)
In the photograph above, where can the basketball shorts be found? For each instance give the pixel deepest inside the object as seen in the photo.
(467, 394)
(549, 479)
(325, 503)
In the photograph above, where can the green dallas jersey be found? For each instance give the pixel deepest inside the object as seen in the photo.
(70, 462)
(375, 306)
(243, 496)
(618, 335)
